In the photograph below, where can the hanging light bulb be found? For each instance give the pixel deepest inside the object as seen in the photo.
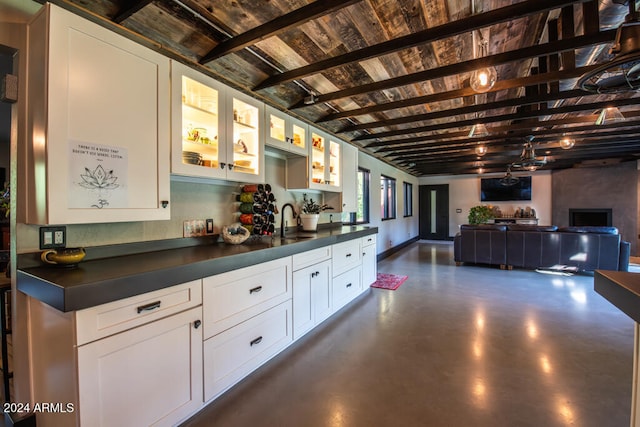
(609, 115)
(567, 142)
(481, 150)
(484, 78)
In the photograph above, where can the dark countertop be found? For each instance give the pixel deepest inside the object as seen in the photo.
(95, 282)
(621, 289)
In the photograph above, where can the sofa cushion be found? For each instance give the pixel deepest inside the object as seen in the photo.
(485, 227)
(525, 227)
(589, 229)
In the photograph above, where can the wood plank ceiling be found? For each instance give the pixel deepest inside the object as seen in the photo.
(392, 76)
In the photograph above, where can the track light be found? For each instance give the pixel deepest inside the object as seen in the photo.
(311, 99)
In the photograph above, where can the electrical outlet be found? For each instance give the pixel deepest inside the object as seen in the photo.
(53, 237)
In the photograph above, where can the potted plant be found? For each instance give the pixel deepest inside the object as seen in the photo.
(310, 213)
(480, 214)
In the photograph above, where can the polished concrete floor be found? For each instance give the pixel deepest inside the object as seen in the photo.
(453, 346)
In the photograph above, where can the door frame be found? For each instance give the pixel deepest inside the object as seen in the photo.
(441, 212)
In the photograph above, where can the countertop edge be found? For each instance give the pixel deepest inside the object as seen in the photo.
(620, 288)
(48, 284)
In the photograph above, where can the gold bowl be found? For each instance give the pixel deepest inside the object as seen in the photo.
(64, 256)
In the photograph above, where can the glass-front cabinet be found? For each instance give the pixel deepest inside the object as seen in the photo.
(215, 130)
(286, 133)
(245, 159)
(322, 169)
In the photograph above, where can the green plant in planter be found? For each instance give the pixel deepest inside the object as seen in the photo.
(480, 214)
(5, 202)
(311, 207)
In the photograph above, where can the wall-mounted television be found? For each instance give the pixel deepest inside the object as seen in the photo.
(492, 190)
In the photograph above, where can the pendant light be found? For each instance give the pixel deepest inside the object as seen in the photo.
(483, 79)
(609, 115)
(481, 150)
(567, 142)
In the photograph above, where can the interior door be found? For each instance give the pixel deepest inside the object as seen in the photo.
(434, 212)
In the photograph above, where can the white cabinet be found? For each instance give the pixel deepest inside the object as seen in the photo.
(322, 169)
(151, 375)
(98, 124)
(131, 362)
(216, 131)
(312, 301)
(369, 261)
(346, 255)
(350, 178)
(346, 287)
(286, 133)
(236, 352)
(245, 137)
(247, 319)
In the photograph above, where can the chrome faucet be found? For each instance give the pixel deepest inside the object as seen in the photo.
(282, 228)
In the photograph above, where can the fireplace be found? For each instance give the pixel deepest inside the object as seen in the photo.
(587, 217)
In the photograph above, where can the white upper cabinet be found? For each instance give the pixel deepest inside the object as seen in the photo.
(322, 169)
(245, 142)
(286, 133)
(216, 131)
(98, 124)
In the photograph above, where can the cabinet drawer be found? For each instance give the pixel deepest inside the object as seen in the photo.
(346, 255)
(311, 257)
(346, 287)
(369, 240)
(107, 319)
(233, 354)
(235, 296)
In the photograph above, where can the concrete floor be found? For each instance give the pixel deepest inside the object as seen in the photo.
(453, 346)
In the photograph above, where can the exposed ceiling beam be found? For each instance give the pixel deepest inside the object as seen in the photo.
(505, 117)
(292, 19)
(429, 35)
(132, 7)
(535, 51)
(469, 109)
(535, 79)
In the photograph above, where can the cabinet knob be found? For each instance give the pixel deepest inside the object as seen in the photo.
(222, 165)
(164, 203)
(230, 166)
(197, 324)
(348, 255)
(349, 285)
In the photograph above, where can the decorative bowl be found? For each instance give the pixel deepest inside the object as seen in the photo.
(235, 233)
(65, 256)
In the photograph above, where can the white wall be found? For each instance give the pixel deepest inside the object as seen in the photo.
(395, 231)
(464, 193)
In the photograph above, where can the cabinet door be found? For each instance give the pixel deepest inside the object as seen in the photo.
(311, 297)
(286, 133)
(245, 140)
(150, 375)
(198, 123)
(369, 265)
(100, 131)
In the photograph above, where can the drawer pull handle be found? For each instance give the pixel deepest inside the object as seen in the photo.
(256, 341)
(348, 255)
(254, 290)
(348, 285)
(149, 307)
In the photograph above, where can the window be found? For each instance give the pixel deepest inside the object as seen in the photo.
(387, 197)
(408, 198)
(362, 215)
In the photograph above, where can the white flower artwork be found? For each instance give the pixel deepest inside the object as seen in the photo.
(98, 176)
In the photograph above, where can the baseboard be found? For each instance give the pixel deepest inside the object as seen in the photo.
(393, 250)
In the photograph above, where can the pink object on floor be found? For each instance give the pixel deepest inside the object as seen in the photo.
(389, 281)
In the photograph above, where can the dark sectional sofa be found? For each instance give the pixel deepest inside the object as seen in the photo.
(533, 247)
